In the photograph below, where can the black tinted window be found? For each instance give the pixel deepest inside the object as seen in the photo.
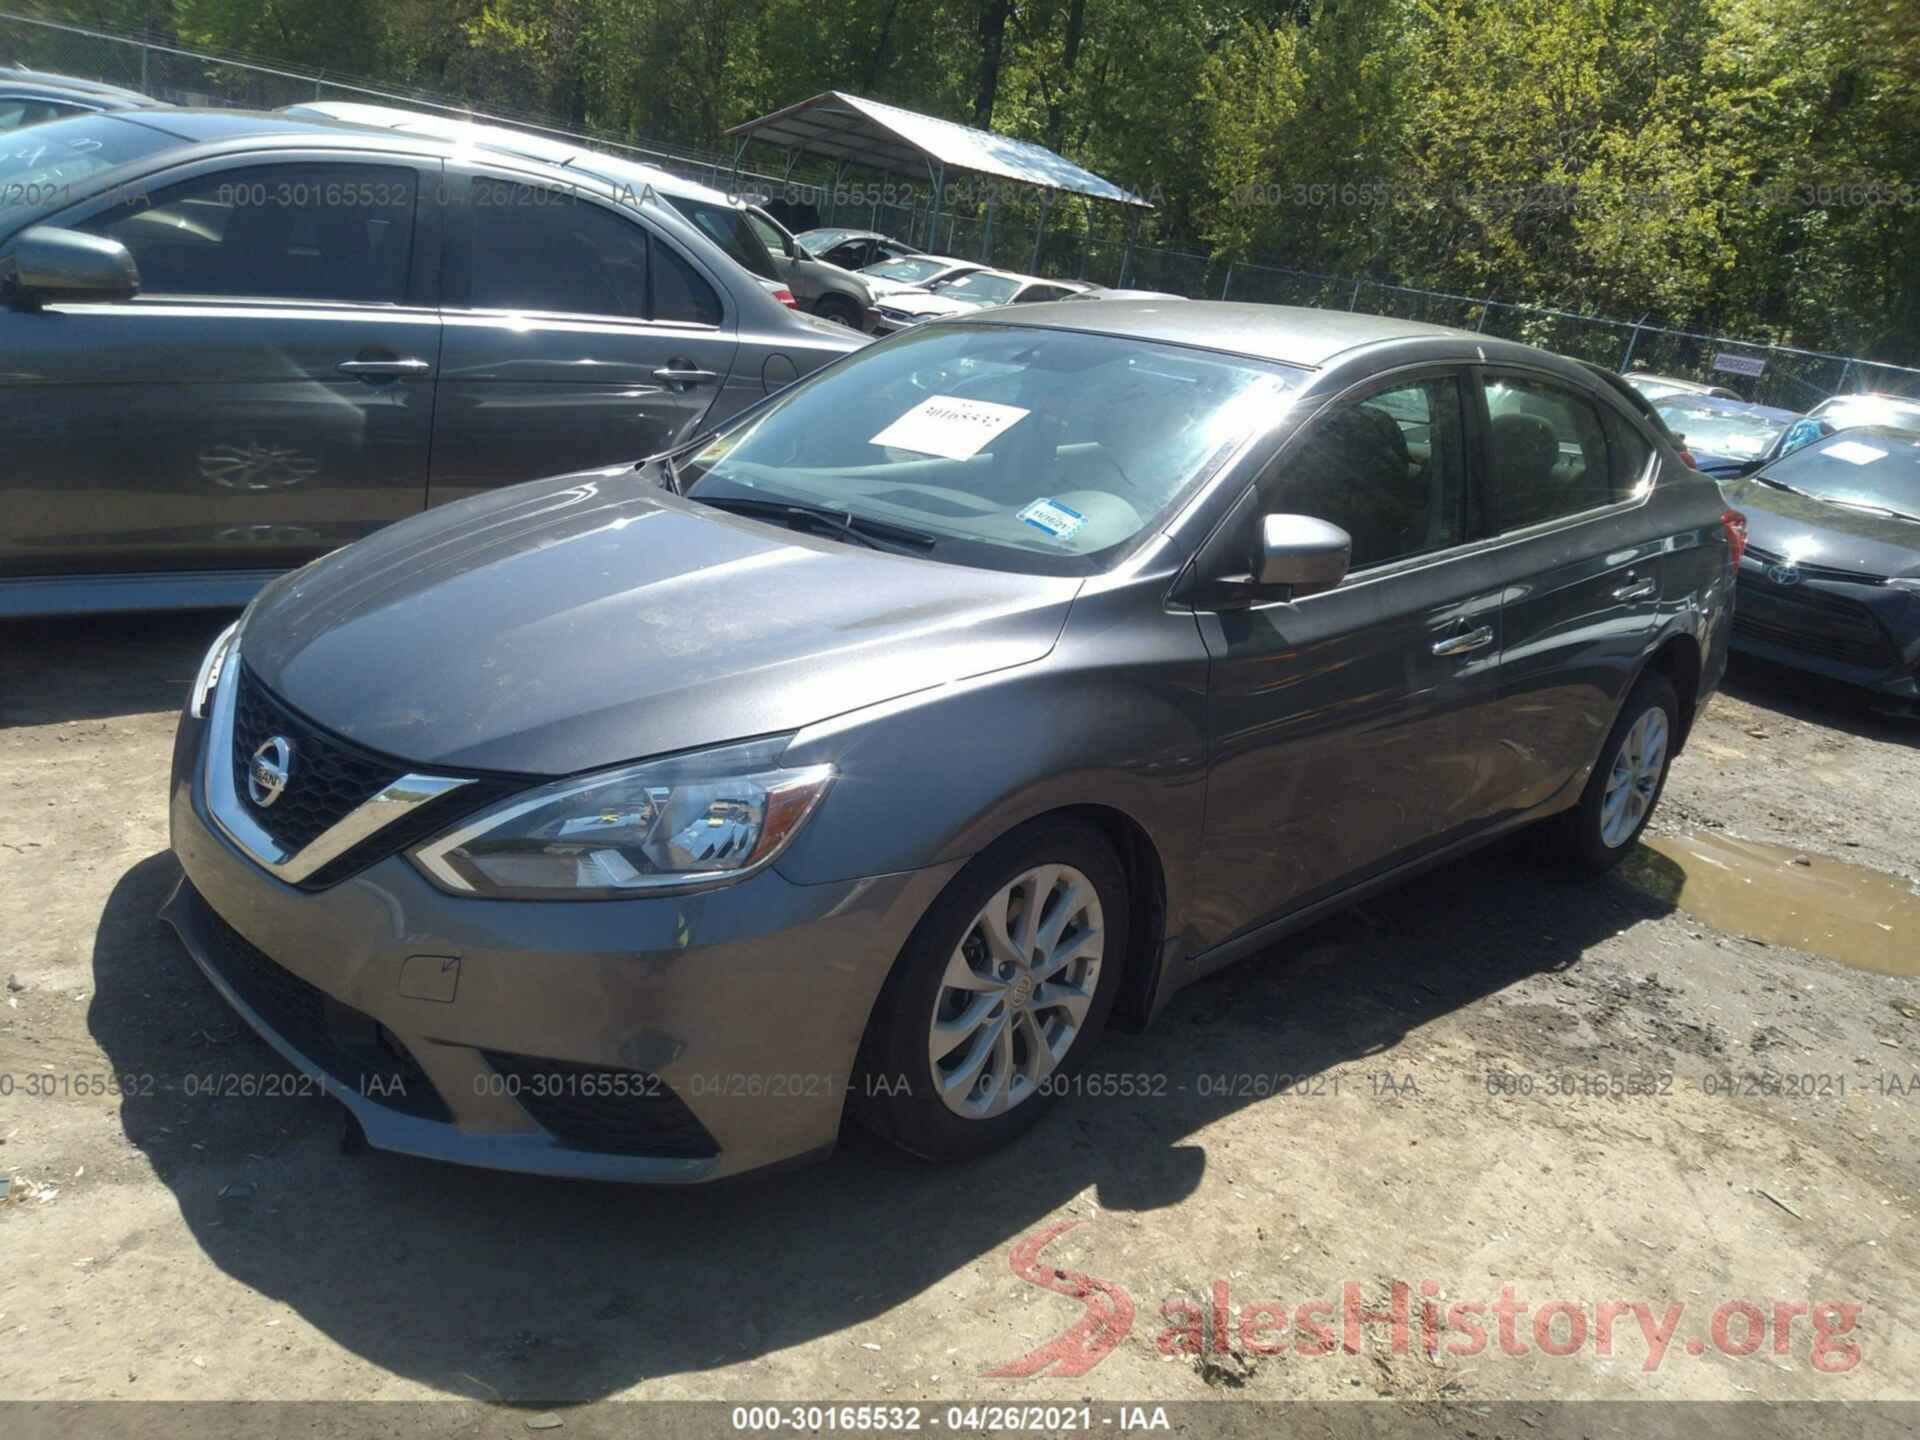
(273, 231)
(303, 232)
(1547, 453)
(1629, 450)
(679, 293)
(549, 250)
(1388, 469)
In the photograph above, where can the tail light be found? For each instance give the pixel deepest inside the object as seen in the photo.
(785, 297)
(1735, 524)
(1687, 455)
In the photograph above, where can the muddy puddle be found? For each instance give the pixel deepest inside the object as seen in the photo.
(1849, 913)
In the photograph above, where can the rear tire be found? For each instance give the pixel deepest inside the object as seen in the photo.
(1628, 780)
(987, 1012)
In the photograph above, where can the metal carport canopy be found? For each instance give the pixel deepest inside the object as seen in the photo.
(854, 131)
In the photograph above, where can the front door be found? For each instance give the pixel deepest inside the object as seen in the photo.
(576, 337)
(1347, 727)
(267, 397)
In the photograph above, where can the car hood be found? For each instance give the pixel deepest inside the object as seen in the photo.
(1815, 532)
(592, 619)
(928, 303)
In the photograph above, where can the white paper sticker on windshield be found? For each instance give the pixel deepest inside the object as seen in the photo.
(1855, 452)
(1057, 520)
(949, 426)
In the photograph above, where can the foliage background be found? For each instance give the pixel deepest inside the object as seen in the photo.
(1740, 166)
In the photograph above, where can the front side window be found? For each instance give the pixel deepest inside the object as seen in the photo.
(1389, 469)
(1546, 453)
(302, 232)
(1048, 452)
(550, 250)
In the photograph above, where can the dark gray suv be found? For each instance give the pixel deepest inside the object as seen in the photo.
(235, 341)
(874, 754)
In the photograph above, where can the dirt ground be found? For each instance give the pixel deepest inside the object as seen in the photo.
(1502, 1078)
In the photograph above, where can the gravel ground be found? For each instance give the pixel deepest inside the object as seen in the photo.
(1501, 1078)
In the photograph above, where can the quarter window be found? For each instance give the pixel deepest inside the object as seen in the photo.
(1389, 469)
(679, 293)
(1546, 453)
(303, 232)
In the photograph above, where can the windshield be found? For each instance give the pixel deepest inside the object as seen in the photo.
(1877, 466)
(911, 272)
(1042, 451)
(731, 230)
(43, 167)
(982, 288)
(1720, 432)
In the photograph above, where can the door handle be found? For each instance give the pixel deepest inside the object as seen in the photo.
(669, 375)
(1636, 589)
(382, 369)
(1464, 643)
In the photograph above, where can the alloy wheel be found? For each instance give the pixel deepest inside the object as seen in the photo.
(1634, 778)
(1016, 991)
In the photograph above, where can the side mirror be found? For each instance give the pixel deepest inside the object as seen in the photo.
(48, 266)
(1301, 553)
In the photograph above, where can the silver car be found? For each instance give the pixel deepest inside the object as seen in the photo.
(982, 290)
(824, 289)
(236, 341)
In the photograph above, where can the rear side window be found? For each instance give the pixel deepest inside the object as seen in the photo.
(679, 293)
(1629, 450)
(1388, 469)
(729, 229)
(298, 232)
(1546, 452)
(534, 248)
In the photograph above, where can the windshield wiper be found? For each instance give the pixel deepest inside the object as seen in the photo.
(1870, 507)
(874, 534)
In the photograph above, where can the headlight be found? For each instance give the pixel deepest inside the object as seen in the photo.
(207, 680)
(674, 824)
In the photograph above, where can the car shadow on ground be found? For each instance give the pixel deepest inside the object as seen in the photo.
(1818, 701)
(505, 1287)
(101, 666)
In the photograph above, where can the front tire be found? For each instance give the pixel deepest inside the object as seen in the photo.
(999, 994)
(1628, 781)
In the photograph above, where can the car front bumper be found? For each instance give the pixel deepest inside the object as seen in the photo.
(1862, 635)
(672, 1038)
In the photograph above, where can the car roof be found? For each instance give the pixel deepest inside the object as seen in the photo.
(567, 153)
(73, 85)
(1720, 405)
(1291, 334)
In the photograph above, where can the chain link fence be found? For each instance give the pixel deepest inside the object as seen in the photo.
(1019, 232)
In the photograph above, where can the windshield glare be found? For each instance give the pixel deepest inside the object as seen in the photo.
(986, 289)
(1876, 466)
(1721, 432)
(1034, 450)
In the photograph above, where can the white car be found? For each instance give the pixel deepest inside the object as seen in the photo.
(978, 291)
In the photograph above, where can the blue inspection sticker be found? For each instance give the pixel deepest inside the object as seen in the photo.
(1050, 516)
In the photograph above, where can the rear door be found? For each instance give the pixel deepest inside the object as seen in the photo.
(268, 395)
(1350, 728)
(1581, 569)
(577, 335)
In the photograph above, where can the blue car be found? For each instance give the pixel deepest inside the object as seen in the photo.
(1736, 437)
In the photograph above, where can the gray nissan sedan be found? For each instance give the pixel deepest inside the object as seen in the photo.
(869, 758)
